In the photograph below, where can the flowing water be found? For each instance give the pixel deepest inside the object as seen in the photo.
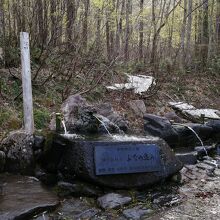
(100, 119)
(70, 136)
(64, 127)
(104, 121)
(197, 136)
(125, 138)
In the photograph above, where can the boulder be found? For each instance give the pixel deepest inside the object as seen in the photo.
(138, 107)
(189, 158)
(177, 135)
(172, 116)
(70, 107)
(82, 117)
(18, 151)
(106, 110)
(215, 125)
(78, 115)
(39, 142)
(51, 155)
(193, 114)
(78, 159)
(161, 127)
(2, 161)
(187, 138)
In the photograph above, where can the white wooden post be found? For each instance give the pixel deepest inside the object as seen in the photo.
(26, 83)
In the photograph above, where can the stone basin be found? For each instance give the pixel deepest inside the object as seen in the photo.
(97, 160)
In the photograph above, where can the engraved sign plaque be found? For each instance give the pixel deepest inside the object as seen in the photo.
(129, 158)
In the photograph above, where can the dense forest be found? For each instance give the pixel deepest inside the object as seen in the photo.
(77, 45)
(182, 33)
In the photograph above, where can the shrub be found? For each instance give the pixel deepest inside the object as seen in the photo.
(41, 118)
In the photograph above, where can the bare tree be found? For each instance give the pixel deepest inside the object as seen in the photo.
(205, 32)
(188, 33)
(218, 23)
(85, 24)
(127, 31)
(53, 7)
(141, 31)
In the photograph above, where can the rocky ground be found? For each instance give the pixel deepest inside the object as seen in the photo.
(200, 191)
(196, 195)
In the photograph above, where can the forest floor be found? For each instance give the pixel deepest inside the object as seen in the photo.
(199, 89)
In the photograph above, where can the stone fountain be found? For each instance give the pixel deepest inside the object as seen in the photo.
(98, 154)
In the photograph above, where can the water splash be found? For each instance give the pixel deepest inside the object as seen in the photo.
(130, 138)
(103, 120)
(72, 136)
(197, 136)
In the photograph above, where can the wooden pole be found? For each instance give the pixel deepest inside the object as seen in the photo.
(26, 83)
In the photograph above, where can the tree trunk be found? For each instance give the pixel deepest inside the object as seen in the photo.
(171, 31)
(2, 33)
(183, 34)
(211, 50)
(141, 31)
(154, 42)
(112, 28)
(53, 22)
(23, 16)
(46, 18)
(98, 29)
(127, 31)
(71, 16)
(107, 32)
(117, 36)
(85, 24)
(218, 23)
(1, 18)
(205, 33)
(119, 28)
(189, 33)
(41, 39)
